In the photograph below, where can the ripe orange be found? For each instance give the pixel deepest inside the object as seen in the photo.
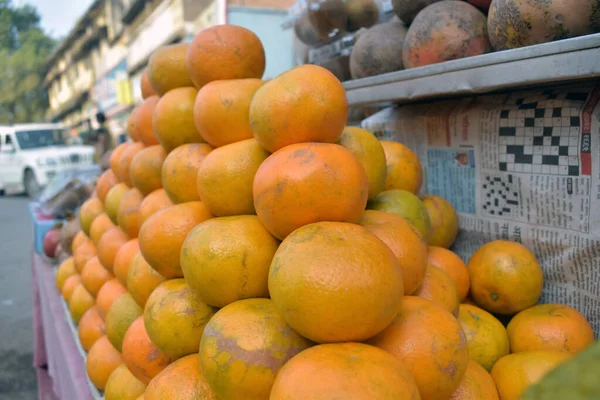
(113, 200)
(141, 356)
(115, 158)
(250, 336)
(163, 234)
(225, 52)
(131, 121)
(88, 211)
(123, 385)
(143, 121)
(120, 316)
(181, 380)
(123, 259)
(180, 171)
(146, 169)
(221, 110)
(439, 288)
(107, 295)
(477, 384)
(404, 241)
(335, 282)
(227, 259)
(173, 119)
(91, 328)
(79, 239)
(69, 286)
(101, 361)
(109, 244)
(306, 183)
(101, 224)
(175, 318)
(147, 89)
(83, 254)
(406, 205)
(65, 271)
(548, 327)
(81, 300)
(128, 213)
(125, 161)
(505, 277)
(153, 203)
(451, 264)
(305, 104)
(167, 69)
(514, 373)
(142, 279)
(403, 168)
(486, 336)
(94, 276)
(226, 175)
(105, 182)
(444, 221)
(431, 343)
(344, 371)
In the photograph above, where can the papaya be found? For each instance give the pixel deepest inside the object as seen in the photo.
(407, 10)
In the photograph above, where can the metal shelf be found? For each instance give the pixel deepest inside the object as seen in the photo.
(563, 61)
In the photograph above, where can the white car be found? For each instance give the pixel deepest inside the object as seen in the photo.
(32, 154)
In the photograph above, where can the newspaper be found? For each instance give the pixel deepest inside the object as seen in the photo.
(522, 166)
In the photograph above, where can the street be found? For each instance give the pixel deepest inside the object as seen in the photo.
(17, 376)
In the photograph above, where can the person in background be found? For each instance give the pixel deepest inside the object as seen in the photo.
(102, 141)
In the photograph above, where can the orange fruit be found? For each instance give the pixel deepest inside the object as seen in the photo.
(105, 182)
(344, 371)
(113, 200)
(65, 271)
(173, 119)
(142, 280)
(477, 384)
(131, 121)
(167, 69)
(444, 221)
(163, 234)
(147, 89)
(181, 168)
(406, 205)
(221, 110)
(143, 121)
(548, 327)
(94, 276)
(306, 183)
(404, 241)
(69, 286)
(514, 373)
(438, 287)
(175, 318)
(101, 224)
(123, 385)
(141, 356)
(505, 277)
(128, 213)
(107, 295)
(153, 203)
(108, 246)
(236, 164)
(125, 162)
(247, 335)
(119, 318)
(115, 158)
(181, 380)
(146, 168)
(486, 336)
(225, 52)
(101, 361)
(335, 282)
(81, 300)
(403, 168)
(369, 152)
(228, 259)
(451, 264)
(79, 239)
(430, 343)
(89, 210)
(83, 254)
(91, 328)
(305, 104)
(123, 259)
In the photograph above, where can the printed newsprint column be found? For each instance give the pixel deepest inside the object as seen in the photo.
(523, 166)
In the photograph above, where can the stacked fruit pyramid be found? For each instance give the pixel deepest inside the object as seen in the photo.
(246, 244)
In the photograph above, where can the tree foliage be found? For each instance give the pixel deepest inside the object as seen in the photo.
(24, 49)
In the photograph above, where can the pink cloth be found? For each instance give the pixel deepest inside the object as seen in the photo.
(66, 367)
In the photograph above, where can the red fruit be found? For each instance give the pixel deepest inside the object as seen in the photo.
(51, 241)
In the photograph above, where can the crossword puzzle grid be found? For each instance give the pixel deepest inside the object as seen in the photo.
(541, 134)
(501, 197)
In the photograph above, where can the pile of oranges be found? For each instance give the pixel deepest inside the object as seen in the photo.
(246, 244)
